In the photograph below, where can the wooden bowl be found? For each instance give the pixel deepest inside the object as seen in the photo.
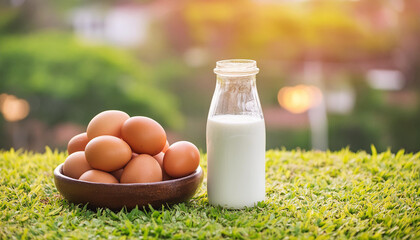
(115, 195)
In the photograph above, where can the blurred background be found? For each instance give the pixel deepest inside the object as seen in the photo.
(332, 73)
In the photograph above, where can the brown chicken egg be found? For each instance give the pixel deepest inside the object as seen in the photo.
(106, 123)
(159, 158)
(144, 135)
(142, 169)
(77, 143)
(107, 153)
(98, 176)
(75, 165)
(181, 159)
(117, 173)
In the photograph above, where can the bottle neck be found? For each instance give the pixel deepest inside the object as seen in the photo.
(236, 84)
(236, 90)
(236, 95)
(234, 79)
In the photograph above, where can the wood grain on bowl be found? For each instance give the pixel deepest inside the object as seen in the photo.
(116, 196)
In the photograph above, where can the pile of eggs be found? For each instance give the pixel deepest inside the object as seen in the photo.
(117, 148)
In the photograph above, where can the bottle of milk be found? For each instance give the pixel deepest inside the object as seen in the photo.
(235, 137)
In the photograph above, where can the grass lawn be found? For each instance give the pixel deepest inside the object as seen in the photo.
(310, 195)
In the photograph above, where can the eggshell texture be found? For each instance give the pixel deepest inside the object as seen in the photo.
(75, 165)
(144, 135)
(107, 153)
(98, 176)
(106, 123)
(181, 159)
(77, 143)
(142, 169)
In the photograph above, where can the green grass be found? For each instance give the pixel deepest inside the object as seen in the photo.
(310, 195)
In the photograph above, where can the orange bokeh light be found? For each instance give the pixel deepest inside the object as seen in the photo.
(13, 108)
(300, 98)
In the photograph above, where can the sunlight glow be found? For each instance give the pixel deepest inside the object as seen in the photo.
(300, 98)
(13, 108)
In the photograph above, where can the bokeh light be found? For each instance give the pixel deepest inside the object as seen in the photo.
(300, 98)
(13, 109)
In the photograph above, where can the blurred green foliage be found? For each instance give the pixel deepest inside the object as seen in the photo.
(65, 79)
(373, 120)
(324, 28)
(7, 17)
(288, 139)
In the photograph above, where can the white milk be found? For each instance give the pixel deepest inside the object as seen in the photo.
(236, 160)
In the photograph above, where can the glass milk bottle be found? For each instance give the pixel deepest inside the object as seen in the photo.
(235, 137)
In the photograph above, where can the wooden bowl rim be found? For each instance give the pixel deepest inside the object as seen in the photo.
(58, 173)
